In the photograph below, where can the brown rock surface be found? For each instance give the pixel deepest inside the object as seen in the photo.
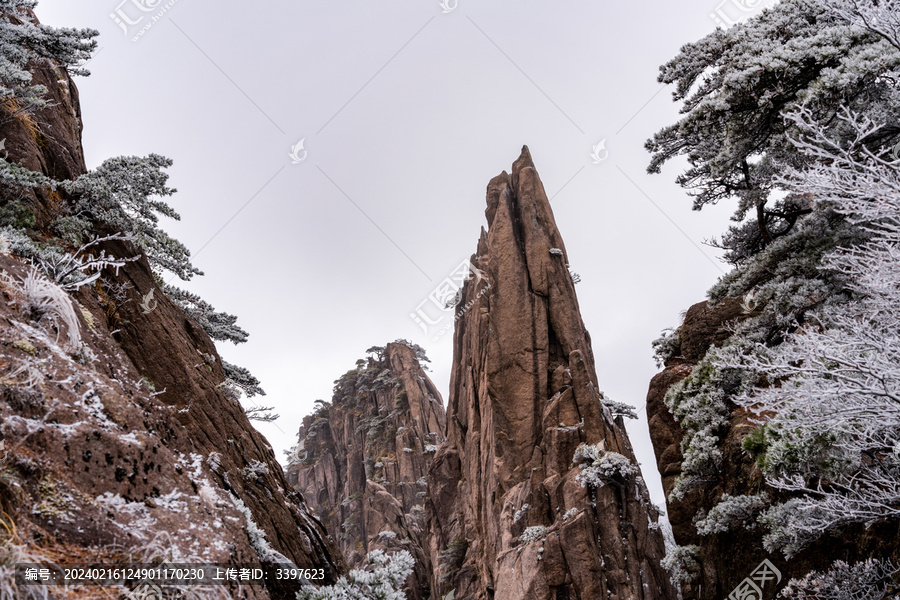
(362, 460)
(128, 438)
(727, 558)
(703, 327)
(523, 398)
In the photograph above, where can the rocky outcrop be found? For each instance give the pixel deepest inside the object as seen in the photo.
(725, 559)
(703, 327)
(362, 459)
(510, 516)
(117, 437)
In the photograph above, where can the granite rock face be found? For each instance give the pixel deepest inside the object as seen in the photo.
(362, 460)
(508, 516)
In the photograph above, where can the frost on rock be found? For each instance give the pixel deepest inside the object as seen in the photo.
(599, 466)
(92, 404)
(257, 536)
(383, 579)
(214, 460)
(255, 471)
(533, 534)
(133, 517)
(520, 513)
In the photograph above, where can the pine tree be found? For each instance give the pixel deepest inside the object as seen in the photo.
(124, 197)
(867, 580)
(23, 41)
(738, 85)
(815, 355)
(832, 424)
(220, 326)
(127, 194)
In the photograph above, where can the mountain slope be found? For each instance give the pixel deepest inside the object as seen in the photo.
(118, 440)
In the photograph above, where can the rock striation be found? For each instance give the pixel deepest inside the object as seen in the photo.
(362, 459)
(117, 439)
(535, 494)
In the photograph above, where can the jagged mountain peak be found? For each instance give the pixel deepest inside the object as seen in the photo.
(510, 515)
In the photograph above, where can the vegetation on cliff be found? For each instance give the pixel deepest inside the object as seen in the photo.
(122, 199)
(792, 114)
(121, 438)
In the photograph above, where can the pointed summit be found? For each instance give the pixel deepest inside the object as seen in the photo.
(536, 493)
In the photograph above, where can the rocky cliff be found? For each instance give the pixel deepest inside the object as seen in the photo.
(116, 439)
(362, 459)
(535, 493)
(726, 558)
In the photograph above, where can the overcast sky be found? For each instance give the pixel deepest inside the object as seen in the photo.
(405, 111)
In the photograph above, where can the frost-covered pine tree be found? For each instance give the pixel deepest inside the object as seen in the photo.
(219, 326)
(23, 41)
(382, 580)
(242, 379)
(127, 194)
(831, 427)
(881, 17)
(866, 580)
(123, 199)
(799, 53)
(736, 87)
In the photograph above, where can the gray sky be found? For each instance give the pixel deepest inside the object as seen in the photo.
(406, 112)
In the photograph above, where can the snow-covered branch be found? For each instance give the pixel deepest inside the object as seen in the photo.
(832, 407)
